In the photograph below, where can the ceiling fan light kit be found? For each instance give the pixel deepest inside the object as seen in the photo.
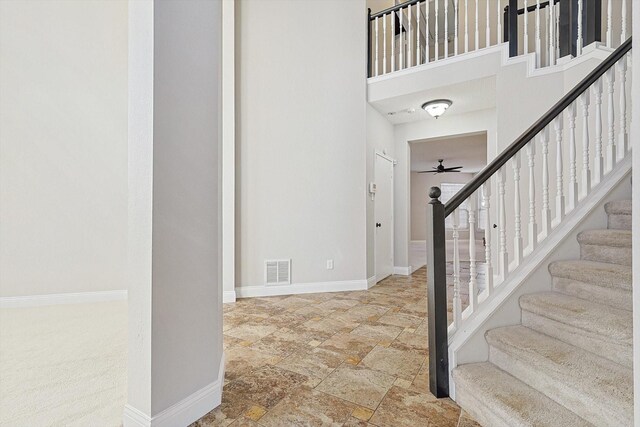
(437, 107)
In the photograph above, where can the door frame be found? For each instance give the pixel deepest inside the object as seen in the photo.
(394, 162)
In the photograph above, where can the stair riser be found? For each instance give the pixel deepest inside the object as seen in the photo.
(598, 344)
(610, 254)
(614, 297)
(481, 413)
(619, 222)
(592, 409)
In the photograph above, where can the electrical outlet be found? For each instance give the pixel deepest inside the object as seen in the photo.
(329, 264)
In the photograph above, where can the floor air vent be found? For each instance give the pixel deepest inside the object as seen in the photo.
(277, 272)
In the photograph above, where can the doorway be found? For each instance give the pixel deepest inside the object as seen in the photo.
(383, 213)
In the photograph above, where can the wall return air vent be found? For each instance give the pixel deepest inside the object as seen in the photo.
(277, 272)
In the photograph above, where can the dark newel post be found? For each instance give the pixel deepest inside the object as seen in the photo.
(568, 31)
(369, 42)
(505, 24)
(513, 28)
(591, 21)
(437, 297)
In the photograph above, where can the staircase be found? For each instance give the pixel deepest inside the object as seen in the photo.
(569, 362)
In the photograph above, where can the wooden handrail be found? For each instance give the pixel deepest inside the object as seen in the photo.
(535, 128)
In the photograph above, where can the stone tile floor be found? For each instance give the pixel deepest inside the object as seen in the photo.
(332, 359)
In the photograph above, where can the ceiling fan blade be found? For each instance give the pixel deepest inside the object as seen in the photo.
(453, 169)
(449, 171)
(423, 171)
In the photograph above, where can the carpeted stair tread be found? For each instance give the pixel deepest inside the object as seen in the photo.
(616, 325)
(495, 398)
(609, 245)
(594, 272)
(618, 207)
(600, 329)
(587, 384)
(605, 237)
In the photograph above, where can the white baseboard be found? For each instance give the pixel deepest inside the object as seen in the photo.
(183, 413)
(229, 296)
(402, 271)
(68, 298)
(302, 288)
(371, 282)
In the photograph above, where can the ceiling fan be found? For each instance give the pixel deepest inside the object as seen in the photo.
(441, 169)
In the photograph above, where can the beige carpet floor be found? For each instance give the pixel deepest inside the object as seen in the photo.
(63, 365)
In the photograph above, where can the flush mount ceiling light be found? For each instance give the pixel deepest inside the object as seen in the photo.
(437, 107)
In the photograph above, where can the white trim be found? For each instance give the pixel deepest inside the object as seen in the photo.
(56, 299)
(371, 282)
(402, 271)
(477, 320)
(183, 413)
(228, 296)
(302, 288)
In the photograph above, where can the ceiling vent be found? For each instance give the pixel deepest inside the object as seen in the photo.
(277, 272)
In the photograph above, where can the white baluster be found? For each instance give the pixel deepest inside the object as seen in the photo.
(546, 207)
(558, 126)
(418, 17)
(401, 35)
(623, 34)
(598, 163)
(502, 224)
(486, 203)
(552, 35)
(393, 41)
(611, 146)
(499, 20)
(487, 30)
(477, 34)
(466, 26)
(455, 27)
(446, 29)
(609, 15)
(586, 168)
(377, 55)
(384, 44)
(623, 137)
(426, 33)
(538, 43)
(573, 178)
(436, 44)
(533, 227)
(526, 28)
(409, 37)
(557, 31)
(579, 42)
(517, 240)
(457, 304)
(473, 284)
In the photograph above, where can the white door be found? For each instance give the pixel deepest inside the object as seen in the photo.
(383, 216)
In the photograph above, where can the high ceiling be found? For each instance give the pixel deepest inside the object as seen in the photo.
(468, 151)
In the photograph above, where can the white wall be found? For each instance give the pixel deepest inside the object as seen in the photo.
(379, 138)
(301, 129)
(63, 146)
(420, 185)
(175, 283)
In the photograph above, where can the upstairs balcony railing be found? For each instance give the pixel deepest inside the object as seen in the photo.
(419, 32)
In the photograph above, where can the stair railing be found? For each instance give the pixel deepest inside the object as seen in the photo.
(419, 32)
(602, 130)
